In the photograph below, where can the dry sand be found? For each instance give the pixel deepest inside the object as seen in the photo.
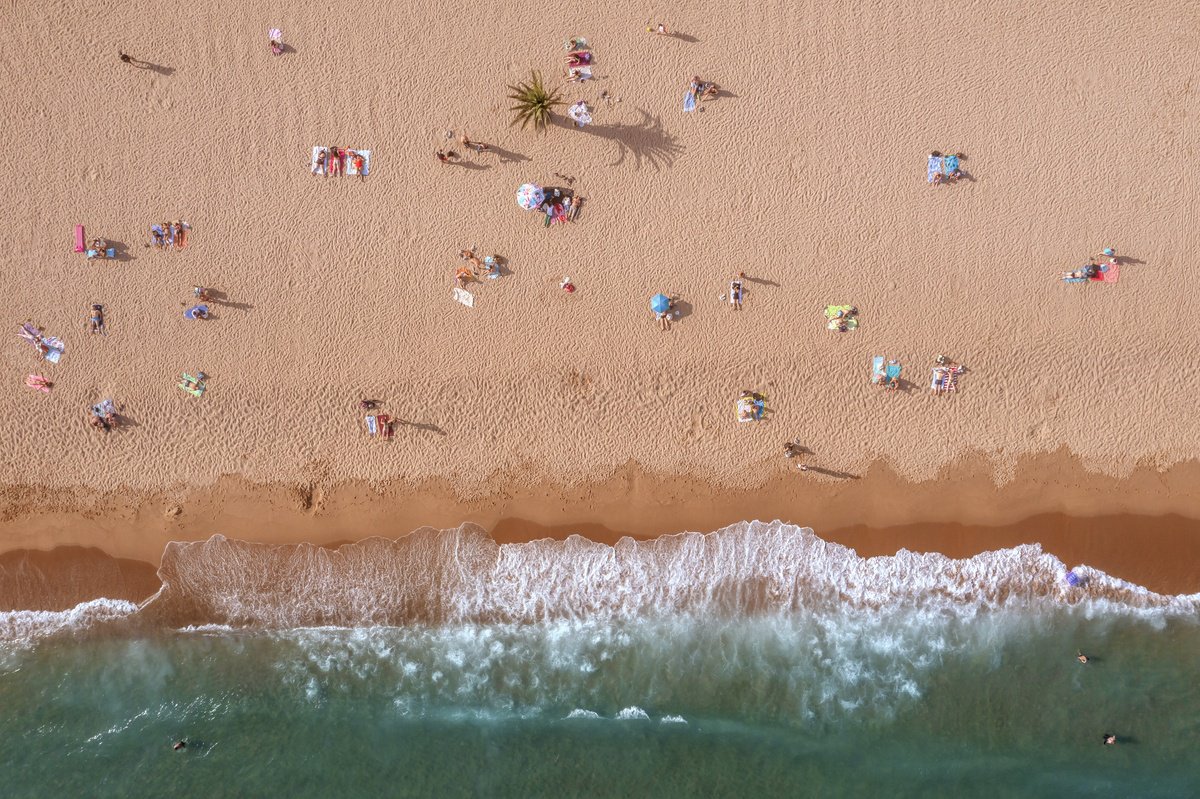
(1078, 121)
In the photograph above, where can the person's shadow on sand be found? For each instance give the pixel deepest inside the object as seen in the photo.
(222, 299)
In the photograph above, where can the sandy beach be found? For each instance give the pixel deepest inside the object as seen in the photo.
(537, 412)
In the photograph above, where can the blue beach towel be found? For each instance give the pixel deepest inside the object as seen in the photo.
(372, 425)
(935, 165)
(689, 100)
(892, 372)
(877, 369)
(950, 164)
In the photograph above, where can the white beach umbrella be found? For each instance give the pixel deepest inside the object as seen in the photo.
(530, 196)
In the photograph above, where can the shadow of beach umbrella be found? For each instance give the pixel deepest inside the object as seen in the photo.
(530, 196)
(659, 303)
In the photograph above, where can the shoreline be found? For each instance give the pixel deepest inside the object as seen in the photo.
(60, 550)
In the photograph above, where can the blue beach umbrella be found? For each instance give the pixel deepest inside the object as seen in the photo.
(659, 303)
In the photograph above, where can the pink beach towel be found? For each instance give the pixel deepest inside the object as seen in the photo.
(79, 239)
(1110, 275)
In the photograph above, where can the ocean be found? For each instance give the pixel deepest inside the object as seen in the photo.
(755, 661)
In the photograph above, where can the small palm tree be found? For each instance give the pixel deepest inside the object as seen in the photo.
(534, 102)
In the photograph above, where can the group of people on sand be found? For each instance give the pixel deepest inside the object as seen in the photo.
(945, 168)
(1095, 265)
(332, 161)
(475, 268)
(170, 234)
(446, 156)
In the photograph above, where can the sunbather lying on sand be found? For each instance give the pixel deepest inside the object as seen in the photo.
(462, 276)
(579, 59)
(319, 166)
(359, 162)
(1087, 271)
(96, 325)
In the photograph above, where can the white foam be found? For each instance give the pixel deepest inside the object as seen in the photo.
(633, 713)
(579, 713)
(461, 576)
(22, 627)
(672, 720)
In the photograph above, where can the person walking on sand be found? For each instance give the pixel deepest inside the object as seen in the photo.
(124, 58)
(658, 30)
(446, 156)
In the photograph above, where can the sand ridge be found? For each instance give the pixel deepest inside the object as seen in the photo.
(808, 174)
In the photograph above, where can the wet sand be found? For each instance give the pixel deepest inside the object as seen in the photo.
(1143, 528)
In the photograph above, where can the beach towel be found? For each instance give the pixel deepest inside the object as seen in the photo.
(195, 311)
(493, 268)
(38, 382)
(877, 369)
(579, 73)
(79, 245)
(372, 425)
(944, 379)
(831, 313)
(949, 164)
(385, 426)
(750, 410)
(366, 170)
(1109, 273)
(689, 100)
(891, 373)
(735, 292)
(104, 407)
(157, 237)
(30, 333)
(935, 166)
(184, 228)
(575, 43)
(198, 391)
(464, 296)
(56, 348)
(324, 168)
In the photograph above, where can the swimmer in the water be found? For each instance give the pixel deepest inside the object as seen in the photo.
(1110, 739)
(1082, 658)
(179, 745)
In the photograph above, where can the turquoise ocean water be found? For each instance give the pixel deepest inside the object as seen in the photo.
(756, 661)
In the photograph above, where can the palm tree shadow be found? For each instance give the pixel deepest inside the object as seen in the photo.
(646, 140)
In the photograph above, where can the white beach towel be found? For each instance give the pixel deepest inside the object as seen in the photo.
(56, 348)
(366, 154)
(464, 296)
(325, 168)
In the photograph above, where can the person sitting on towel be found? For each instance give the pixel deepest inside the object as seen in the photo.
(707, 91)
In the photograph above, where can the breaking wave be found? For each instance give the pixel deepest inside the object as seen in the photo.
(462, 577)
